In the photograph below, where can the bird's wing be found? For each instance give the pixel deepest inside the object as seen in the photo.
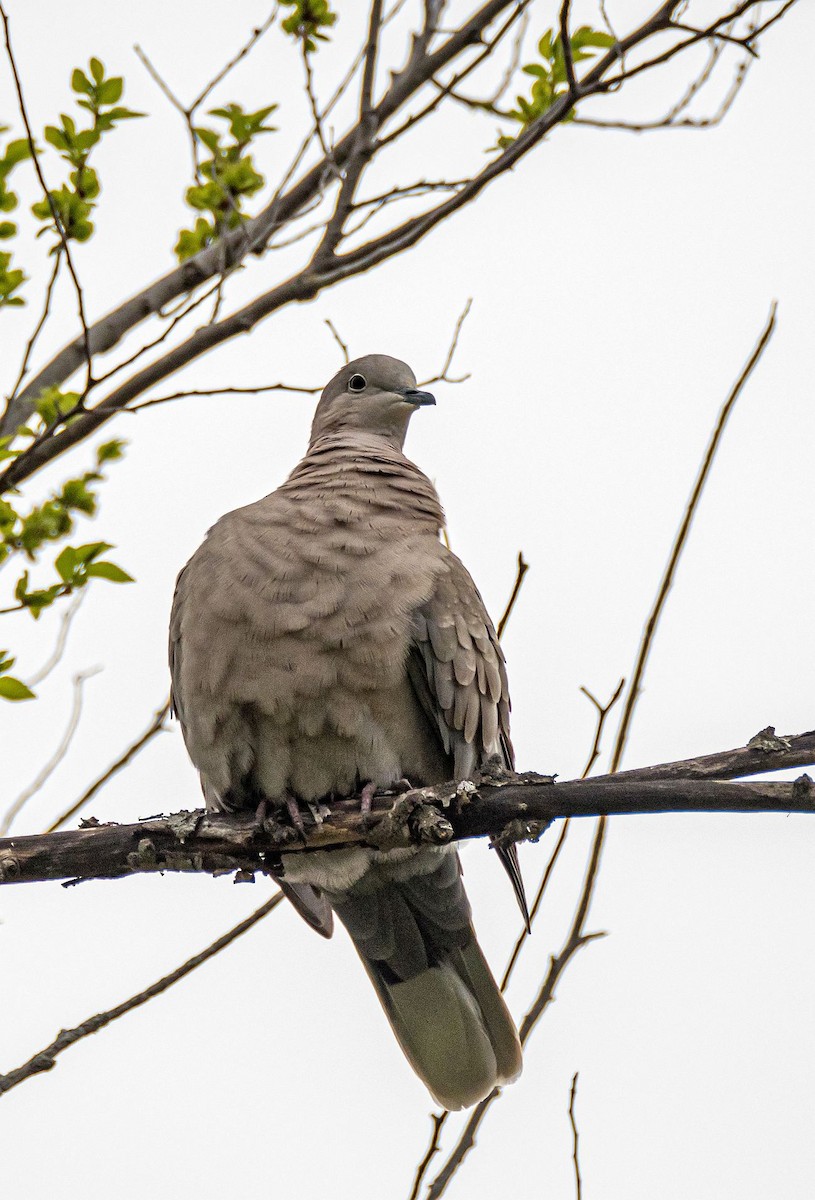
(458, 672)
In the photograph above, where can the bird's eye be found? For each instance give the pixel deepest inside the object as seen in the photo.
(357, 383)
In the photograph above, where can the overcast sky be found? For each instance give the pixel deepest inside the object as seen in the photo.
(619, 283)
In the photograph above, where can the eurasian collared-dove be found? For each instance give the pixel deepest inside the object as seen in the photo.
(324, 639)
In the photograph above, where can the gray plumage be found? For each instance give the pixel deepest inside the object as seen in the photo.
(324, 638)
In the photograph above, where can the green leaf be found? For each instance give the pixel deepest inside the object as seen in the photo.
(65, 564)
(110, 92)
(109, 451)
(80, 81)
(97, 70)
(123, 114)
(14, 689)
(109, 570)
(92, 550)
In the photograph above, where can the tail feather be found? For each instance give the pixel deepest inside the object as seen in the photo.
(415, 938)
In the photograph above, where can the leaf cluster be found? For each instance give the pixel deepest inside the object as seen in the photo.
(72, 203)
(307, 21)
(11, 688)
(17, 151)
(229, 176)
(550, 76)
(52, 521)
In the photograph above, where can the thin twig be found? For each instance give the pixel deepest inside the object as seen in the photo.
(522, 569)
(158, 79)
(343, 347)
(158, 723)
(245, 49)
(225, 391)
(46, 308)
(681, 539)
(673, 119)
(438, 1121)
(56, 758)
(575, 1139)
(55, 657)
(46, 1058)
(187, 112)
(175, 317)
(312, 99)
(602, 712)
(35, 157)
(443, 376)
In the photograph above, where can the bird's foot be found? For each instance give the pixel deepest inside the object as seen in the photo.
(295, 816)
(366, 799)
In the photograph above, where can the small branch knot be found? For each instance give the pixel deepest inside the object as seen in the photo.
(9, 868)
(769, 741)
(519, 830)
(427, 824)
(803, 788)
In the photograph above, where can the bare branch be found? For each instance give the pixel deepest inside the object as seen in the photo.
(438, 1121)
(46, 1058)
(245, 49)
(188, 112)
(575, 1139)
(160, 81)
(764, 753)
(158, 723)
(38, 328)
(312, 100)
(443, 376)
(681, 539)
(209, 842)
(566, 45)
(225, 391)
(55, 657)
(602, 713)
(342, 345)
(523, 567)
(371, 47)
(45, 773)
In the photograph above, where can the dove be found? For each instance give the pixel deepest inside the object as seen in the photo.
(326, 643)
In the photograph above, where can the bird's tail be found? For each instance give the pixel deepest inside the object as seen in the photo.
(410, 922)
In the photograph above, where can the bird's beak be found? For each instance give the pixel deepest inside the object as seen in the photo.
(414, 396)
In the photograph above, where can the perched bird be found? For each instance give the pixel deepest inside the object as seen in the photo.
(324, 642)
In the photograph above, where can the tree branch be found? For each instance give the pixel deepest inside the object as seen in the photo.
(682, 536)
(46, 1059)
(505, 804)
(326, 268)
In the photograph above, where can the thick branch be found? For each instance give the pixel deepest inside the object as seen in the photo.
(514, 806)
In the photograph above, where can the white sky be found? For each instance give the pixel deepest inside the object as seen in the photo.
(619, 283)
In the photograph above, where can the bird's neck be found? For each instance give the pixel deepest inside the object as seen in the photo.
(374, 470)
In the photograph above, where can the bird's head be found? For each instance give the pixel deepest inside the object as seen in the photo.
(376, 394)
